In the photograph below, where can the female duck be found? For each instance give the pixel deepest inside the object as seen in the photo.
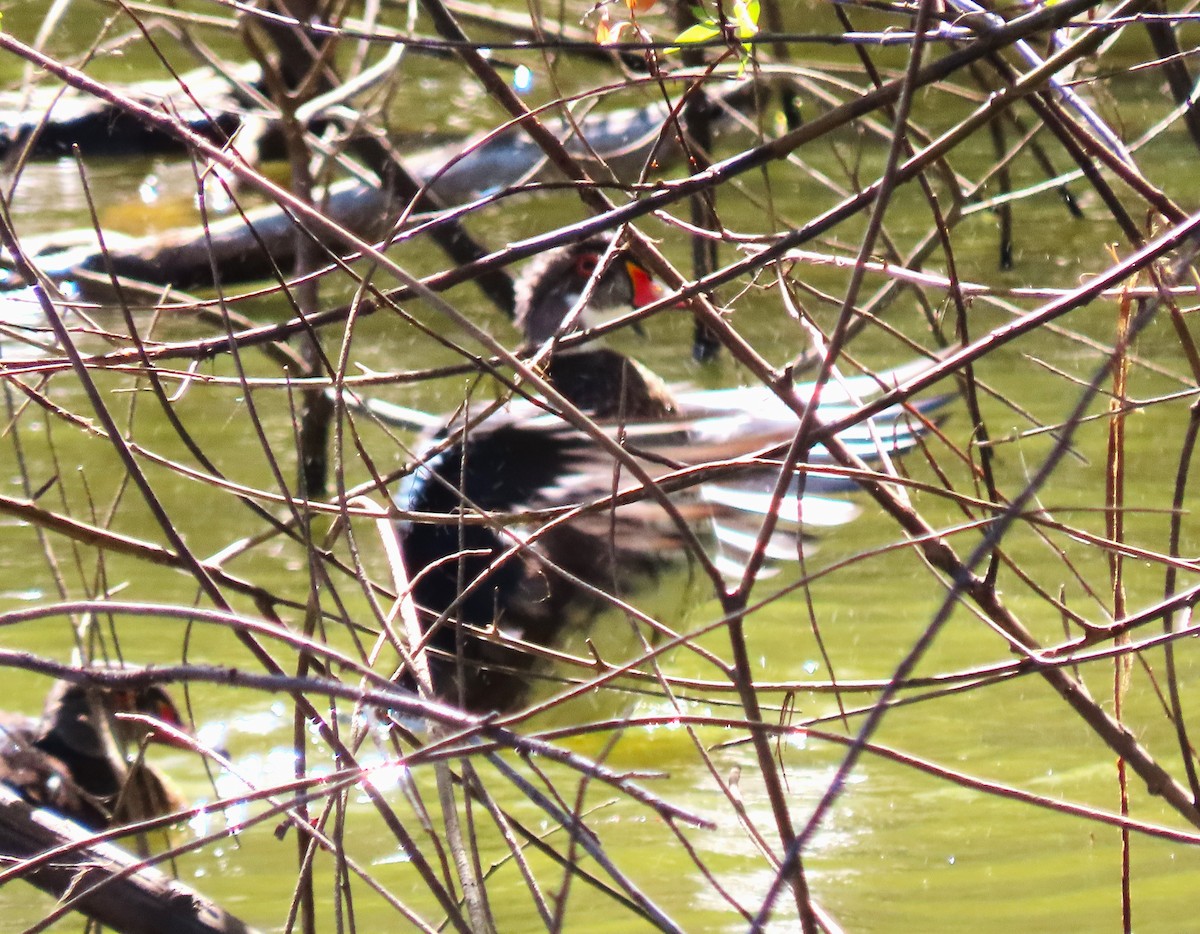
(72, 759)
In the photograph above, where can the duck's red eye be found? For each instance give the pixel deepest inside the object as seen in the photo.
(586, 265)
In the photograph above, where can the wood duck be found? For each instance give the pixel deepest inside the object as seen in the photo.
(515, 462)
(467, 576)
(72, 759)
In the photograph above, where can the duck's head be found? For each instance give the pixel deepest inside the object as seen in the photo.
(74, 715)
(553, 284)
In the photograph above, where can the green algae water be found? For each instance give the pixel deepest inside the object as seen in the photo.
(924, 836)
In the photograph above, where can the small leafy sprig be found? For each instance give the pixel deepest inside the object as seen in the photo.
(737, 29)
(740, 27)
(609, 31)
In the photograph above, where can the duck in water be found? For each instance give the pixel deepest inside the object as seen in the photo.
(72, 758)
(484, 582)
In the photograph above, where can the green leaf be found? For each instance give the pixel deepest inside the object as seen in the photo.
(746, 15)
(701, 32)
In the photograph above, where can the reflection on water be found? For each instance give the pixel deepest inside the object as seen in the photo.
(24, 332)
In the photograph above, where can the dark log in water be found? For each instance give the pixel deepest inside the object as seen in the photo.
(57, 120)
(106, 881)
(242, 250)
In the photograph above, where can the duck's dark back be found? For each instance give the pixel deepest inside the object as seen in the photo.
(504, 467)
